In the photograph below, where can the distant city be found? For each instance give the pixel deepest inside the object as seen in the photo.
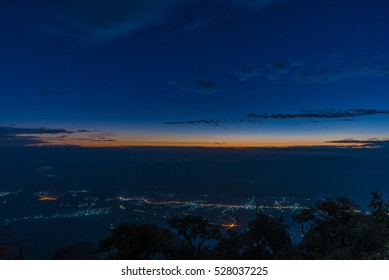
(78, 203)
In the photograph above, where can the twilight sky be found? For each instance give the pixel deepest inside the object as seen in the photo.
(221, 73)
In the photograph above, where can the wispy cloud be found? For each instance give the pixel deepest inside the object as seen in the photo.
(276, 70)
(19, 130)
(247, 73)
(102, 139)
(210, 122)
(213, 122)
(368, 143)
(199, 86)
(17, 136)
(101, 21)
(359, 69)
(321, 114)
(54, 93)
(258, 4)
(338, 115)
(21, 136)
(323, 69)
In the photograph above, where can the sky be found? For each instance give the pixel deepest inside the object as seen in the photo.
(231, 73)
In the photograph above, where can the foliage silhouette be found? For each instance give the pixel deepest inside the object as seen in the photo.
(337, 229)
(267, 237)
(138, 242)
(229, 245)
(195, 231)
(9, 249)
(333, 228)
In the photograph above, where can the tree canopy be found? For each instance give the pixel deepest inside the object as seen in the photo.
(333, 228)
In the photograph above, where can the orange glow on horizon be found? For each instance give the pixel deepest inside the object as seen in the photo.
(230, 144)
(206, 141)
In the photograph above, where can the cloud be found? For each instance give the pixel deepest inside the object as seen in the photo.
(99, 21)
(16, 136)
(322, 69)
(328, 75)
(19, 136)
(210, 122)
(213, 122)
(258, 4)
(369, 143)
(246, 73)
(102, 139)
(252, 118)
(199, 86)
(54, 93)
(321, 114)
(5, 130)
(276, 70)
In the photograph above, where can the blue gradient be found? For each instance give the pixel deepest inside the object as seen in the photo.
(125, 69)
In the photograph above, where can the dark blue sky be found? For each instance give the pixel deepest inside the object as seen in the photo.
(192, 72)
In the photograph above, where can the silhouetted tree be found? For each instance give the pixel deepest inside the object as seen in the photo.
(134, 241)
(331, 229)
(379, 207)
(79, 251)
(229, 245)
(6, 244)
(195, 230)
(330, 222)
(337, 229)
(9, 249)
(377, 225)
(267, 237)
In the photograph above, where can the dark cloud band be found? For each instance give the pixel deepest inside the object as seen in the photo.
(55, 93)
(369, 143)
(19, 136)
(199, 86)
(321, 114)
(346, 115)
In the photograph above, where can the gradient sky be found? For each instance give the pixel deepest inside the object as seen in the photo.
(194, 73)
